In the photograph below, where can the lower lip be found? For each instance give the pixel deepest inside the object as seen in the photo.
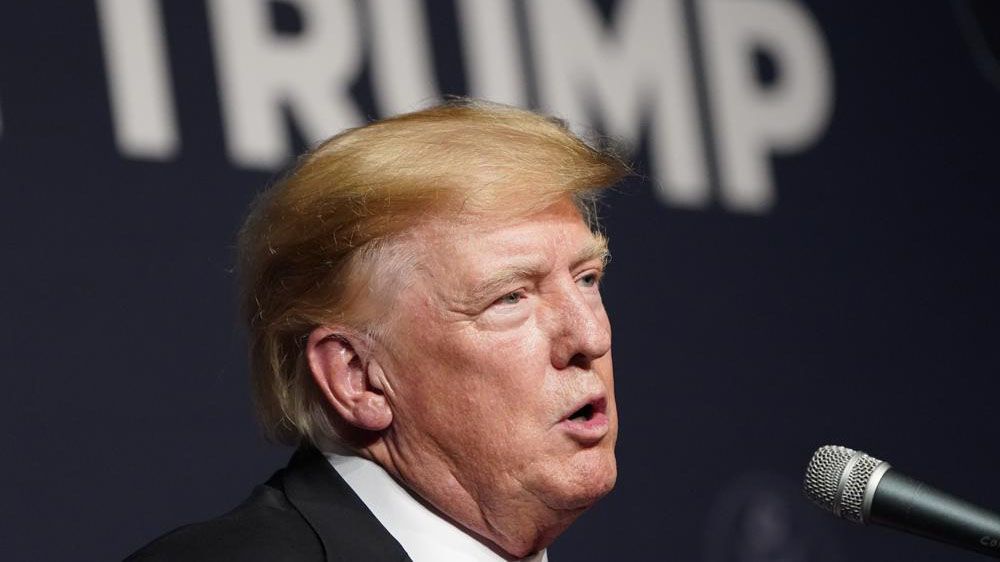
(587, 431)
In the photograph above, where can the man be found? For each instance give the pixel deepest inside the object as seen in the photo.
(425, 324)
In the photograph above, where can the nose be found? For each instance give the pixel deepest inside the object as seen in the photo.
(580, 332)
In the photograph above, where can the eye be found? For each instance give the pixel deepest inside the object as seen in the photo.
(510, 298)
(590, 279)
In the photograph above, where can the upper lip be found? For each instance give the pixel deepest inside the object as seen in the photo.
(598, 401)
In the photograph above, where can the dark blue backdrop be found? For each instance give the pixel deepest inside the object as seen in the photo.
(860, 309)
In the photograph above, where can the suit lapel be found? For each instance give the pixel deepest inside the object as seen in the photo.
(345, 526)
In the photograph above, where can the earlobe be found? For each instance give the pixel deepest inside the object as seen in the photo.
(341, 371)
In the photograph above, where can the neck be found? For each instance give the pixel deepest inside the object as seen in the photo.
(512, 524)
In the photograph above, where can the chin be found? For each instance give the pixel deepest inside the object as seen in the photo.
(577, 485)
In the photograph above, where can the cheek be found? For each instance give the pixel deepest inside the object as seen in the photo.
(457, 382)
(495, 405)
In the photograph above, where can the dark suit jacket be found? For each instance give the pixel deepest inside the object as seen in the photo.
(305, 512)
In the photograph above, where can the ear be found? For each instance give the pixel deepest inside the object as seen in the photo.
(347, 378)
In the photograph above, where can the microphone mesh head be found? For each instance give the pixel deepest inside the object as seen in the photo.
(829, 467)
(823, 474)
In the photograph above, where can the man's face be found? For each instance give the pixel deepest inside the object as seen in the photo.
(498, 360)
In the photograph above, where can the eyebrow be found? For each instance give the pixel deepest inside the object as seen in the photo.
(596, 249)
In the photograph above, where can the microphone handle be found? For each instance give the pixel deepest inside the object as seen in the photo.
(909, 505)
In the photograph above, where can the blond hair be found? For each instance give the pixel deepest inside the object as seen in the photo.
(310, 235)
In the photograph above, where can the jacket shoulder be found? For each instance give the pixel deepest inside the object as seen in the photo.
(264, 528)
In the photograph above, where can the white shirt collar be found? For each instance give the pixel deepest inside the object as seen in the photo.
(423, 534)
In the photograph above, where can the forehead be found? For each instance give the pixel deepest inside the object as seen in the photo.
(558, 232)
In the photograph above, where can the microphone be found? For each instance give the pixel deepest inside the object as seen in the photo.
(866, 490)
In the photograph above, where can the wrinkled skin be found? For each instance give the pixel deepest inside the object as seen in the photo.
(495, 336)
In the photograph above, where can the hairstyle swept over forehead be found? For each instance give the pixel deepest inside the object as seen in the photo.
(308, 236)
(471, 156)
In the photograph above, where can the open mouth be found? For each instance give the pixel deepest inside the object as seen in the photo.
(583, 414)
(587, 412)
(589, 423)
